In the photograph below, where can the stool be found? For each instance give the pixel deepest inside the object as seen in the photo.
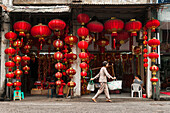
(17, 94)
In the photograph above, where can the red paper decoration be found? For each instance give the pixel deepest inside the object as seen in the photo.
(58, 56)
(145, 65)
(58, 44)
(71, 40)
(83, 45)
(83, 18)
(83, 65)
(71, 84)
(154, 69)
(17, 44)
(27, 47)
(95, 27)
(145, 50)
(152, 24)
(17, 83)
(83, 74)
(11, 36)
(153, 56)
(83, 56)
(58, 75)
(71, 57)
(9, 84)
(10, 51)
(10, 75)
(26, 69)
(153, 43)
(59, 66)
(154, 80)
(71, 72)
(10, 65)
(82, 32)
(102, 43)
(56, 25)
(18, 72)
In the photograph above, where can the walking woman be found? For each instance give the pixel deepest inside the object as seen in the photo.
(103, 74)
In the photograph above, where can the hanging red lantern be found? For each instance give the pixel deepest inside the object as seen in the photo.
(95, 27)
(70, 72)
(57, 25)
(145, 55)
(145, 60)
(58, 44)
(59, 33)
(58, 56)
(83, 65)
(102, 43)
(114, 25)
(145, 37)
(71, 84)
(17, 44)
(10, 65)
(71, 40)
(59, 66)
(154, 69)
(18, 72)
(122, 36)
(83, 56)
(71, 57)
(154, 80)
(82, 32)
(145, 65)
(9, 84)
(27, 47)
(10, 51)
(83, 18)
(145, 50)
(153, 43)
(22, 27)
(40, 31)
(58, 83)
(145, 42)
(83, 45)
(58, 75)
(26, 69)
(17, 83)
(11, 36)
(17, 59)
(10, 75)
(133, 26)
(83, 74)
(153, 56)
(152, 24)
(26, 58)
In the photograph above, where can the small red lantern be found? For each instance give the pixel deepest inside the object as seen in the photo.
(83, 65)
(145, 55)
(58, 44)
(18, 72)
(145, 42)
(10, 75)
(9, 84)
(71, 40)
(145, 65)
(145, 60)
(114, 25)
(133, 26)
(22, 27)
(82, 32)
(154, 69)
(17, 44)
(56, 25)
(58, 75)
(26, 69)
(71, 84)
(59, 66)
(10, 65)
(70, 72)
(10, 51)
(71, 57)
(95, 27)
(17, 83)
(58, 83)
(154, 80)
(152, 24)
(122, 36)
(145, 37)
(153, 56)
(83, 74)
(83, 45)
(83, 56)
(102, 43)
(11, 36)
(83, 18)
(17, 59)
(154, 43)
(145, 50)
(27, 47)
(26, 58)
(58, 56)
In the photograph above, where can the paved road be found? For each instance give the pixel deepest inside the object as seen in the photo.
(60, 106)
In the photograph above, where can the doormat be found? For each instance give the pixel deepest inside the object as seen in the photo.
(166, 93)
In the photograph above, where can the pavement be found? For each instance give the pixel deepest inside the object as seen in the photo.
(42, 104)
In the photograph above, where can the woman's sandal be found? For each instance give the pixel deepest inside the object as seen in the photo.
(94, 100)
(108, 100)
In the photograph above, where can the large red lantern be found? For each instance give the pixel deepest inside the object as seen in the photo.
(58, 44)
(10, 75)
(10, 51)
(58, 75)
(102, 43)
(18, 72)
(71, 84)
(17, 83)
(153, 56)
(153, 43)
(83, 18)
(154, 80)
(58, 56)
(71, 57)
(83, 45)
(114, 25)
(70, 72)
(10, 65)
(133, 26)
(122, 36)
(82, 32)
(9, 84)
(83, 65)
(154, 69)
(22, 27)
(40, 31)
(26, 69)
(56, 25)
(71, 40)
(59, 66)
(11, 36)
(152, 24)
(83, 56)
(17, 59)
(95, 27)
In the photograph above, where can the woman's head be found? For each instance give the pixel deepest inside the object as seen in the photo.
(137, 77)
(105, 63)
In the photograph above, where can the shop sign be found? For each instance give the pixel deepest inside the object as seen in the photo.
(163, 1)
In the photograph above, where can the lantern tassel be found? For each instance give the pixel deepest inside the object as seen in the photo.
(41, 46)
(22, 39)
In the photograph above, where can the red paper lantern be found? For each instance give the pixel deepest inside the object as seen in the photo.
(56, 25)
(17, 83)
(145, 55)
(9, 84)
(10, 75)
(71, 40)
(145, 37)
(102, 43)
(83, 18)
(71, 57)
(82, 32)
(145, 60)
(40, 31)
(58, 75)
(71, 84)
(70, 72)
(17, 44)
(145, 42)
(154, 80)
(154, 43)
(83, 65)
(10, 65)
(10, 51)
(154, 69)
(83, 56)
(17, 59)
(26, 69)
(122, 36)
(59, 33)
(83, 45)
(145, 65)
(133, 26)
(58, 83)
(83, 74)
(114, 25)
(58, 56)
(59, 66)
(58, 44)
(95, 27)
(18, 72)
(153, 56)
(22, 27)
(152, 24)
(26, 58)
(145, 50)
(11, 36)
(27, 47)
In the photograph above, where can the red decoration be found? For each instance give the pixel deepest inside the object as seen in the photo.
(58, 44)
(10, 75)
(9, 84)
(83, 74)
(10, 51)
(145, 60)
(27, 47)
(153, 56)
(58, 75)
(70, 72)
(102, 43)
(71, 57)
(71, 40)
(56, 25)
(17, 83)
(145, 37)
(154, 43)
(95, 27)
(18, 72)
(154, 69)
(152, 24)
(58, 56)
(83, 56)
(17, 44)
(82, 32)
(145, 65)
(59, 33)
(59, 66)
(22, 27)
(11, 36)
(83, 18)
(145, 42)
(154, 80)
(26, 69)
(133, 26)
(71, 84)
(145, 55)
(17, 59)
(114, 25)
(58, 83)
(26, 58)
(40, 31)
(83, 65)
(10, 65)
(83, 45)
(145, 50)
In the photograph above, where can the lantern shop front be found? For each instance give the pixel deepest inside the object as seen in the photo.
(57, 54)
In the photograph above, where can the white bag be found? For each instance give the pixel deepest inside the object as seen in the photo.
(113, 85)
(90, 86)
